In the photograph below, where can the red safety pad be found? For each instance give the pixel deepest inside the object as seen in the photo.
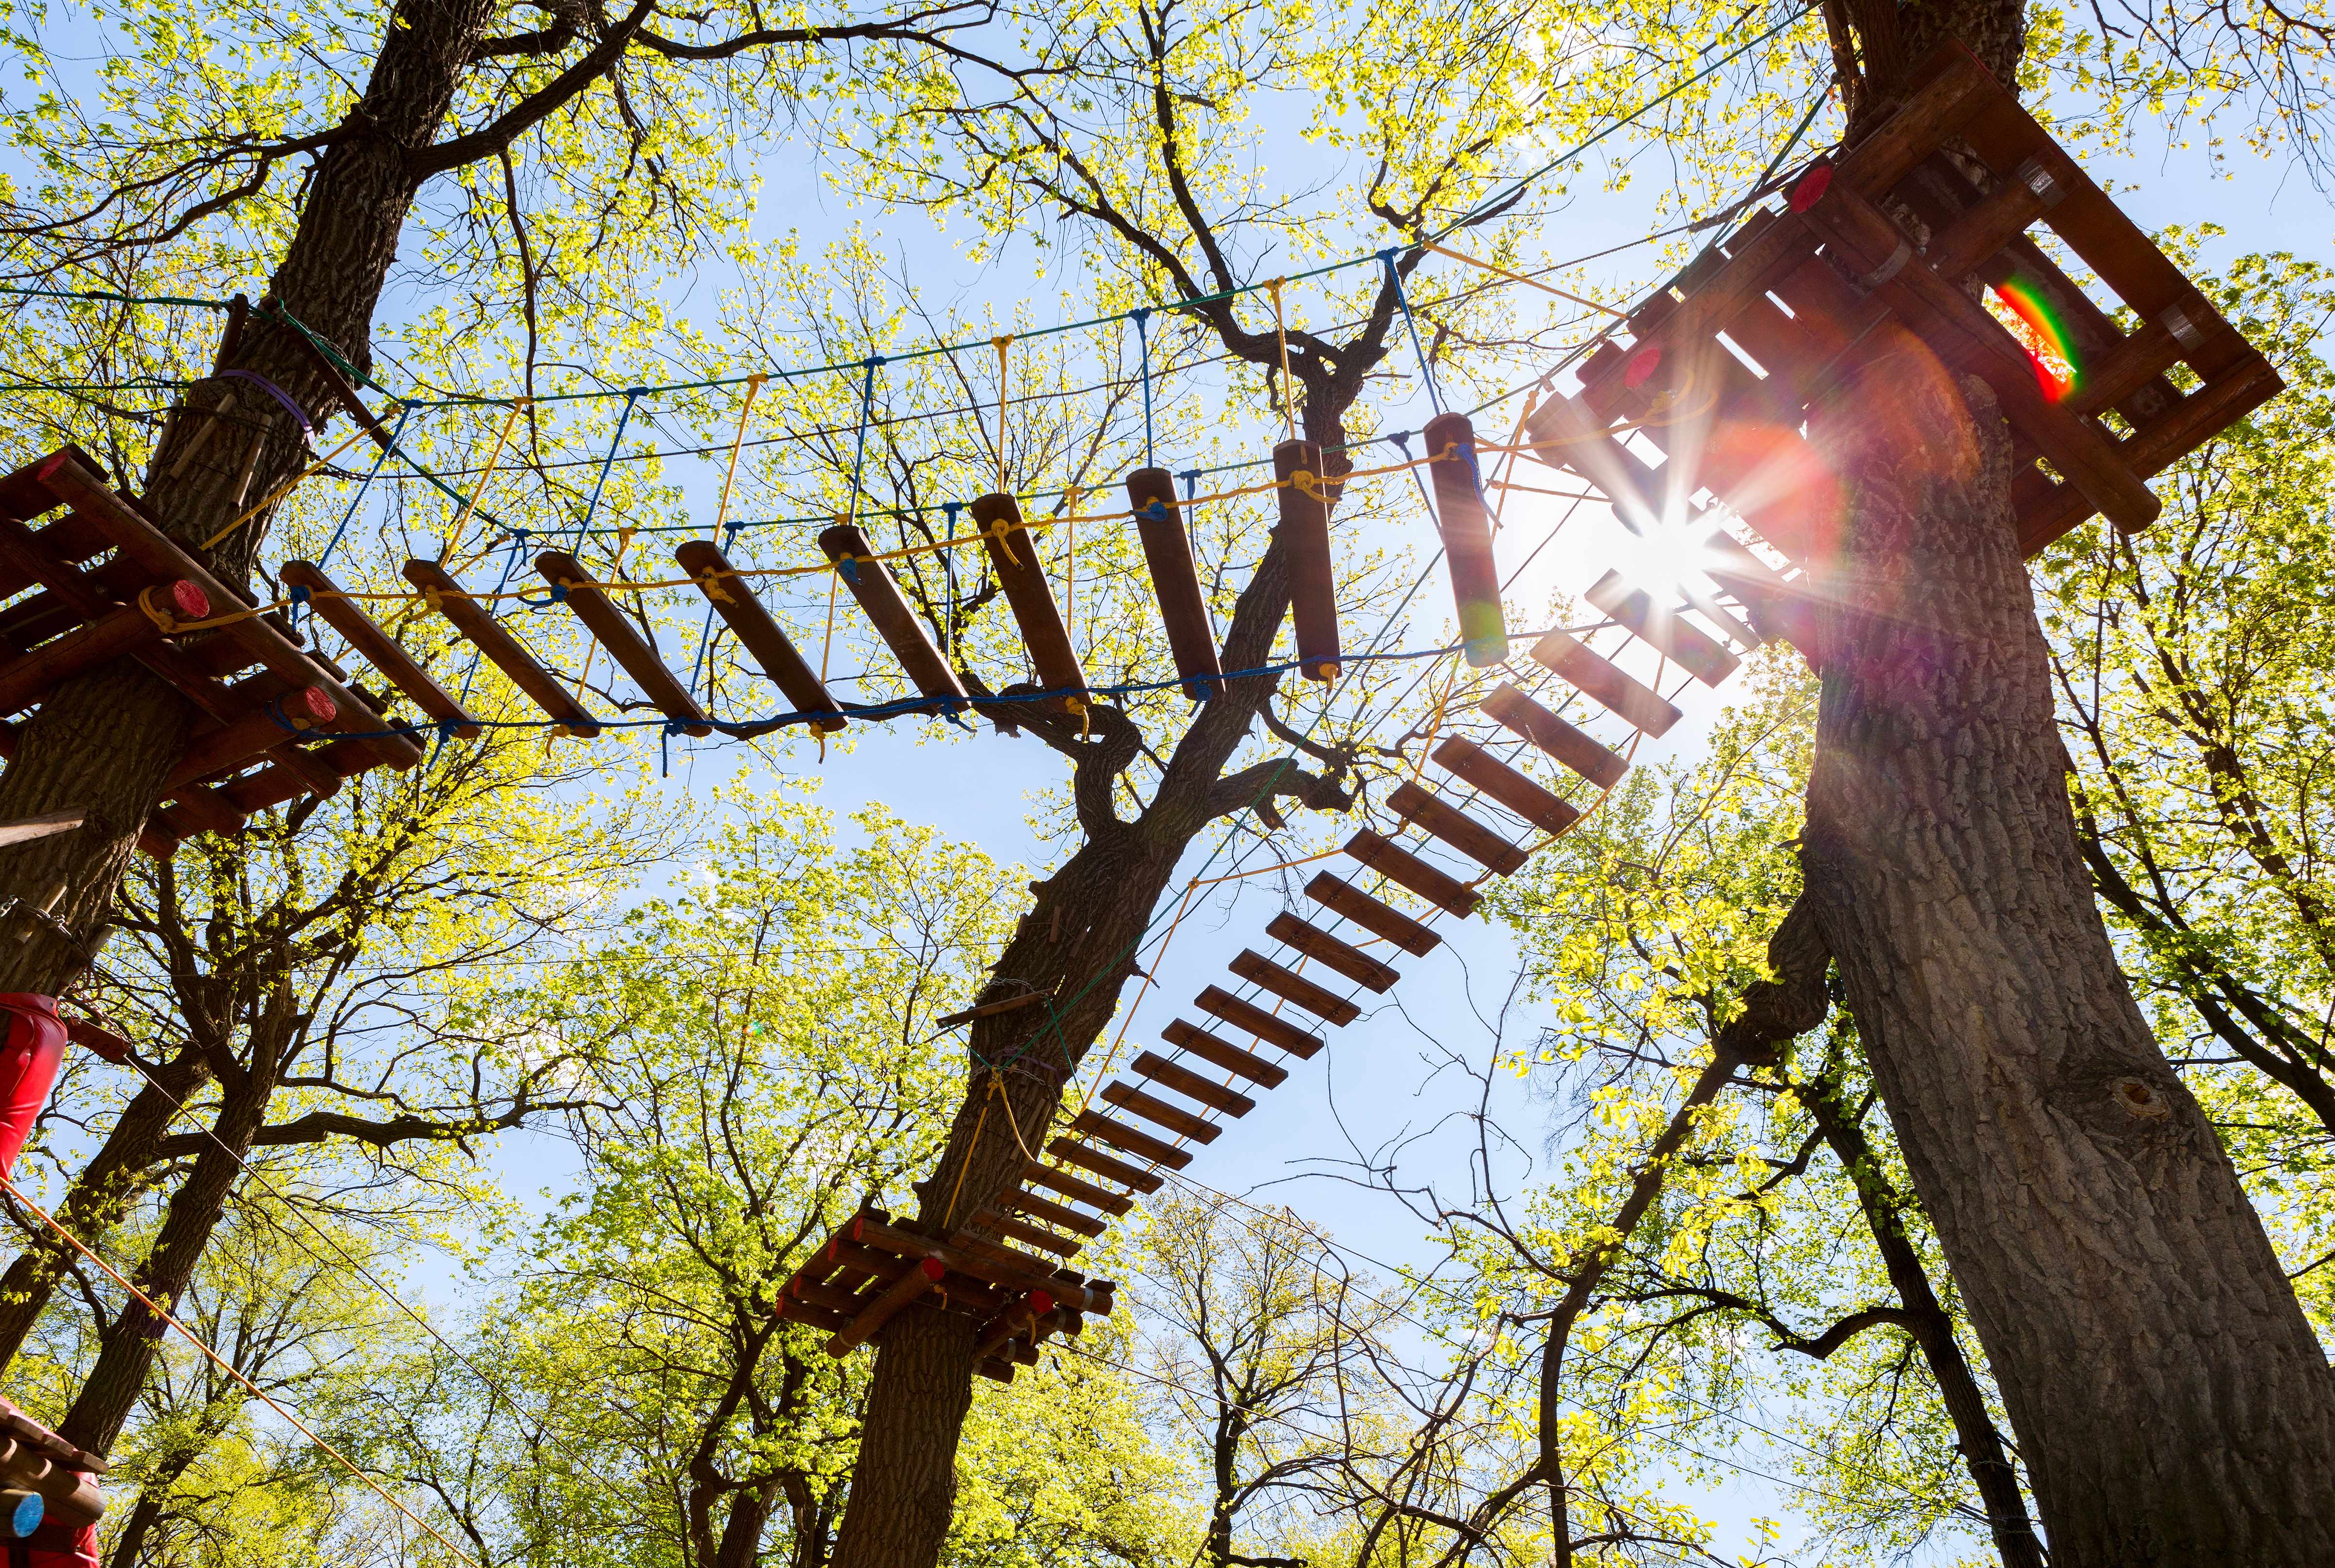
(57, 1544)
(28, 1068)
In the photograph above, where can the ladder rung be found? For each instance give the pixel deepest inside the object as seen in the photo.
(1073, 1187)
(1028, 1234)
(1555, 736)
(1455, 827)
(870, 582)
(1135, 1179)
(1692, 651)
(624, 643)
(1640, 704)
(1544, 808)
(1293, 988)
(1221, 1053)
(1175, 580)
(1014, 556)
(381, 650)
(1400, 866)
(1339, 896)
(473, 621)
(1331, 952)
(1056, 1215)
(1218, 1003)
(1186, 1082)
(1304, 532)
(741, 611)
(1465, 525)
(1158, 1112)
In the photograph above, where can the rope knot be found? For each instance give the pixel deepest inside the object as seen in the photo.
(712, 583)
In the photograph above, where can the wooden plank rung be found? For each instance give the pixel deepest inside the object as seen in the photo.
(1293, 988)
(1120, 1135)
(1339, 896)
(1400, 866)
(1544, 808)
(1190, 1084)
(1218, 1003)
(1333, 954)
(1158, 1112)
(1135, 1179)
(1222, 1053)
(1424, 808)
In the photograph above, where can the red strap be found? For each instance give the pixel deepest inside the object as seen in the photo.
(33, 1045)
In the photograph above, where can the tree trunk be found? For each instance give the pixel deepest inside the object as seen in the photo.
(1932, 1329)
(107, 740)
(94, 1203)
(127, 1353)
(2172, 1401)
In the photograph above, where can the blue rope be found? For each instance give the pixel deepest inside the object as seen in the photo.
(301, 596)
(860, 450)
(1427, 371)
(622, 419)
(1143, 343)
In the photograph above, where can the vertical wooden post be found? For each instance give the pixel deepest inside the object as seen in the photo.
(1312, 580)
(1467, 526)
(1175, 581)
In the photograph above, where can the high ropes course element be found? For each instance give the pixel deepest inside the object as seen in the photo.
(1719, 369)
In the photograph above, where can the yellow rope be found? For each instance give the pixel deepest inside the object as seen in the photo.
(280, 491)
(753, 389)
(948, 1222)
(1280, 332)
(1527, 282)
(502, 436)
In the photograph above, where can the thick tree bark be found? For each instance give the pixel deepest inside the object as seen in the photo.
(126, 1353)
(1932, 1330)
(2171, 1399)
(107, 740)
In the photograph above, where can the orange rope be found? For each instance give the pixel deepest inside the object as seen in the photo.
(192, 1337)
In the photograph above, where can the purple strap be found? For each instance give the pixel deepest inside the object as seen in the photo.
(279, 394)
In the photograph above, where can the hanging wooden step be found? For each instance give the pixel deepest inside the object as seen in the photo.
(1027, 1235)
(1622, 694)
(1059, 1215)
(1304, 532)
(1425, 810)
(870, 582)
(1331, 952)
(591, 604)
(741, 611)
(1293, 988)
(486, 634)
(1014, 556)
(1075, 1189)
(1191, 1085)
(1218, 1003)
(1465, 524)
(1135, 1179)
(1223, 1054)
(1571, 747)
(1120, 1135)
(1401, 867)
(377, 647)
(1159, 1113)
(1341, 896)
(29, 677)
(1175, 581)
(1697, 654)
(1544, 808)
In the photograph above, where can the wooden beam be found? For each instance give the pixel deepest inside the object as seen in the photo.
(1331, 952)
(1174, 581)
(1119, 1135)
(1544, 808)
(1028, 1234)
(1135, 1179)
(741, 611)
(1218, 1003)
(1190, 1084)
(378, 648)
(1293, 988)
(140, 541)
(870, 582)
(1379, 919)
(1223, 1053)
(1062, 1216)
(1400, 866)
(1425, 809)
(486, 632)
(1073, 1187)
(1014, 556)
(914, 1282)
(1304, 528)
(616, 633)
(1465, 524)
(1571, 747)
(1158, 1112)
(28, 678)
(294, 715)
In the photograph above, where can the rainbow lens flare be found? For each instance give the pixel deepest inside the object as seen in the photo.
(2051, 346)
